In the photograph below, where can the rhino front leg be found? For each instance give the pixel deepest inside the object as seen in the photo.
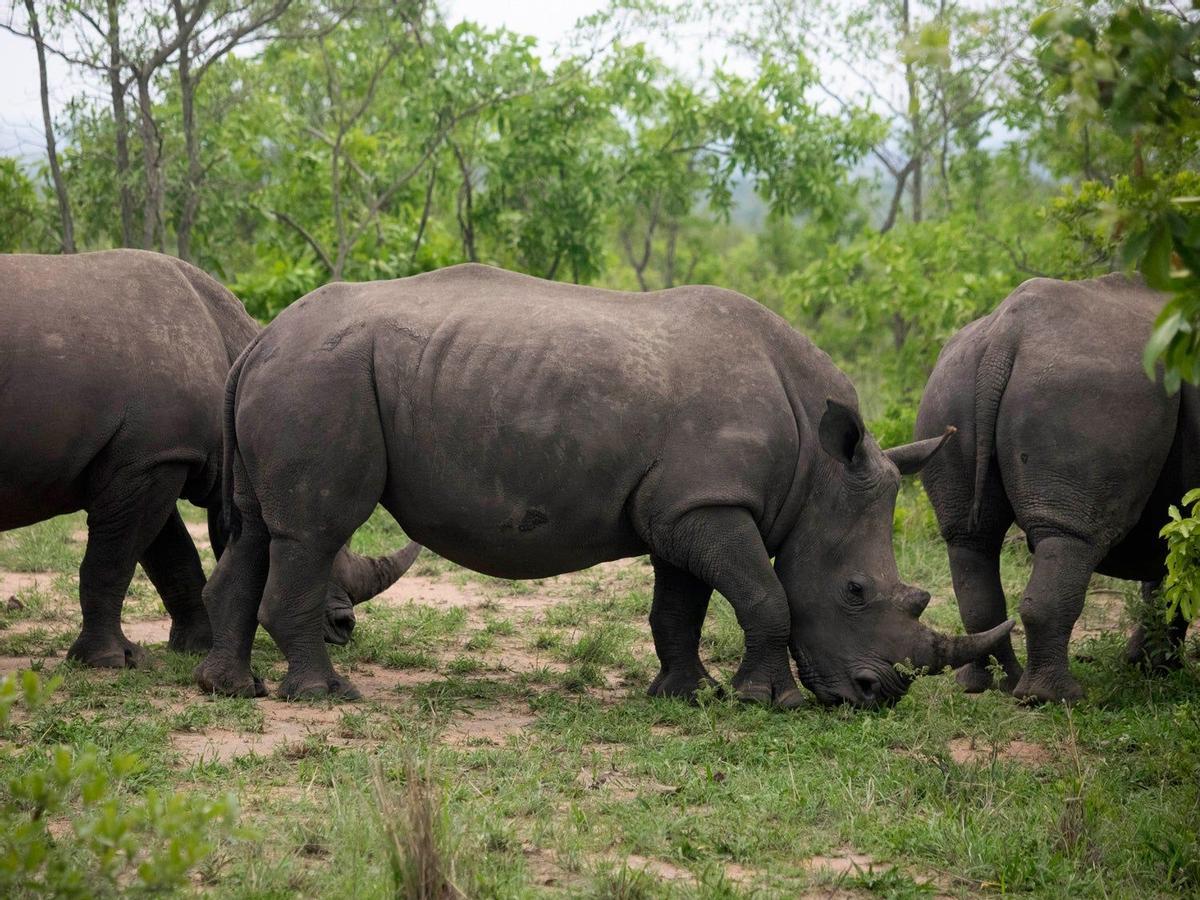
(676, 618)
(976, 575)
(1062, 568)
(721, 547)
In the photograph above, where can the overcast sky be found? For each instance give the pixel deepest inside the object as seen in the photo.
(20, 109)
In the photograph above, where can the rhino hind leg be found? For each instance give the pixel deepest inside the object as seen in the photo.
(721, 547)
(293, 612)
(1157, 649)
(173, 566)
(975, 571)
(124, 518)
(232, 597)
(1053, 600)
(676, 618)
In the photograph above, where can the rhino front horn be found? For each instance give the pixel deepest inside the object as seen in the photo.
(958, 650)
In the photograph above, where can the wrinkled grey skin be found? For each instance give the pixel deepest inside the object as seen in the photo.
(1062, 432)
(112, 376)
(523, 428)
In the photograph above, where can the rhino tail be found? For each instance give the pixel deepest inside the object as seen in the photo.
(991, 378)
(230, 516)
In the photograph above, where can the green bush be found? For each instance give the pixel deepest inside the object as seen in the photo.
(70, 827)
(1181, 587)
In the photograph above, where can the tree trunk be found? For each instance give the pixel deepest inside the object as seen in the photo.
(60, 186)
(914, 119)
(669, 262)
(466, 205)
(412, 260)
(153, 230)
(120, 121)
(191, 186)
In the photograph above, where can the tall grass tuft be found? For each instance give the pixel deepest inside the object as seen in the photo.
(417, 829)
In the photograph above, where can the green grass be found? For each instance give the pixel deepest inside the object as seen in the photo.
(599, 791)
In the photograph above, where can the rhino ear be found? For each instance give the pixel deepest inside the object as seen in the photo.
(911, 458)
(841, 432)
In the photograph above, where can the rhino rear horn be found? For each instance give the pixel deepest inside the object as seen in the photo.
(911, 458)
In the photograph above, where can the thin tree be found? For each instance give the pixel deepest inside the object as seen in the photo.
(60, 185)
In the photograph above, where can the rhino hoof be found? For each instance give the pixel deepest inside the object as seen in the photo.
(120, 653)
(214, 678)
(792, 698)
(764, 695)
(1156, 657)
(684, 685)
(190, 639)
(318, 687)
(974, 678)
(1036, 691)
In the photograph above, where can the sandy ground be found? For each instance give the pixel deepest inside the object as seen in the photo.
(290, 725)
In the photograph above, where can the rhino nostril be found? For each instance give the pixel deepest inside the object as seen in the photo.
(868, 685)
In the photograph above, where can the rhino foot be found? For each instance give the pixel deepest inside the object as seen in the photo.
(190, 637)
(683, 683)
(1034, 690)
(976, 678)
(768, 695)
(115, 652)
(310, 686)
(217, 677)
(1160, 656)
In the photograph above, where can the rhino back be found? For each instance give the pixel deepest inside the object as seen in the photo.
(100, 345)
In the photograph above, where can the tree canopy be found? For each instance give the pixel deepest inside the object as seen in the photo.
(878, 172)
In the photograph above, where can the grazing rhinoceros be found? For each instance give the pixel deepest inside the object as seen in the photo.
(524, 428)
(1060, 429)
(112, 375)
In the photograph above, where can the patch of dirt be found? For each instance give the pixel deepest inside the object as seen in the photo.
(486, 725)
(659, 869)
(10, 665)
(544, 870)
(384, 685)
(845, 862)
(284, 725)
(616, 784)
(965, 751)
(148, 631)
(12, 583)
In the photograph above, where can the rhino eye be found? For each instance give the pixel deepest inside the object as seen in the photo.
(855, 589)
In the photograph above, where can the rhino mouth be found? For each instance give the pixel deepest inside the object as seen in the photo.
(339, 621)
(869, 685)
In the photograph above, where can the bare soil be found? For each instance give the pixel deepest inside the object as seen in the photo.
(965, 751)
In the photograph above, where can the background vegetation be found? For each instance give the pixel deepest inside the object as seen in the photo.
(879, 173)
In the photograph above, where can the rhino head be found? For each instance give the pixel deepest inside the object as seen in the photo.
(853, 619)
(356, 579)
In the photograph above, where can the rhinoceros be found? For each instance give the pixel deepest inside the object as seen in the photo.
(1062, 431)
(112, 376)
(524, 428)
